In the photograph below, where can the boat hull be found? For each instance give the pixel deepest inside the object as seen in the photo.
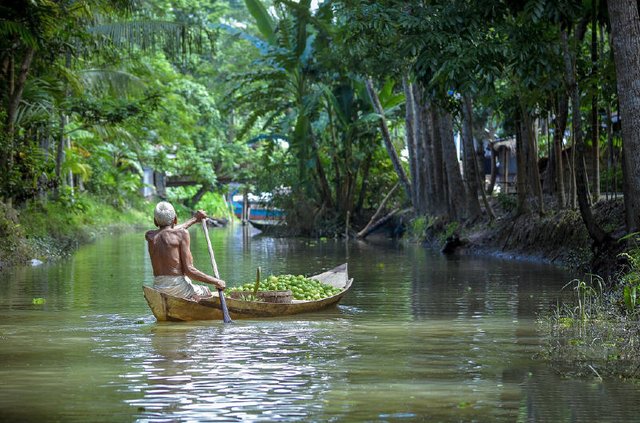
(169, 308)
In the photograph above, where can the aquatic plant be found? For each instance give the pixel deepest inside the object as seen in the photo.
(595, 332)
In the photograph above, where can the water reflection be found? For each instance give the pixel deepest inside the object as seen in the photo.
(265, 371)
(420, 338)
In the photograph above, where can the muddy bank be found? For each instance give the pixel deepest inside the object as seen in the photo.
(557, 238)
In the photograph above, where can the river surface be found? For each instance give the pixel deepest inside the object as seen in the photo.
(420, 337)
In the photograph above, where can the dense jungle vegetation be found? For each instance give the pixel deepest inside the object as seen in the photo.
(337, 102)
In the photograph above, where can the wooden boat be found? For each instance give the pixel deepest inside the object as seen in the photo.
(275, 228)
(167, 307)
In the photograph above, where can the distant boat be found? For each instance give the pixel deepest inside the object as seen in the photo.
(258, 207)
(270, 227)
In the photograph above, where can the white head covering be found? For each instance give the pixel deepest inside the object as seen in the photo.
(164, 214)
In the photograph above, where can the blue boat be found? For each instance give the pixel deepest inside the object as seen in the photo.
(258, 207)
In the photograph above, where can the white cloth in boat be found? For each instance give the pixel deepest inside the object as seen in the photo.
(180, 286)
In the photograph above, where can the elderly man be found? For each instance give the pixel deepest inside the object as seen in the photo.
(170, 251)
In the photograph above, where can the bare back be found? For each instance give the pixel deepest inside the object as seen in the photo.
(164, 249)
(170, 252)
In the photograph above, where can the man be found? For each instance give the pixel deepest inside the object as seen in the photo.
(171, 259)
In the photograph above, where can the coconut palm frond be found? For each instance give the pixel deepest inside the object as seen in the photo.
(175, 37)
(112, 133)
(115, 82)
(11, 29)
(37, 112)
(69, 77)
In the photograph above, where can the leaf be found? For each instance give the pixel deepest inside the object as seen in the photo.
(264, 21)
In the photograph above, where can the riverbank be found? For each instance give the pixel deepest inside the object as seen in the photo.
(47, 230)
(42, 231)
(595, 332)
(557, 237)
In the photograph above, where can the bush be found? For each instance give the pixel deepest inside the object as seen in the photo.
(418, 227)
(507, 202)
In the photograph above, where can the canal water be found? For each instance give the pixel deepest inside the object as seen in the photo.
(420, 337)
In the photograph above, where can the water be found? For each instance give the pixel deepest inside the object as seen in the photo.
(420, 338)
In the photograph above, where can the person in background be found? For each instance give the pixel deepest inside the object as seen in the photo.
(171, 259)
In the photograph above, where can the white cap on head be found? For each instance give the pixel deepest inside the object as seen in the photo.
(164, 214)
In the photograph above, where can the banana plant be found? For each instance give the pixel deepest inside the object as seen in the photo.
(287, 86)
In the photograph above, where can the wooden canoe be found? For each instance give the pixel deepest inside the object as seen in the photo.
(169, 308)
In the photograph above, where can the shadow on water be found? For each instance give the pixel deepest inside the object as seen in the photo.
(420, 337)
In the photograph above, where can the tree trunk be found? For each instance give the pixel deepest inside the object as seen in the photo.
(480, 177)
(562, 113)
(470, 162)
(521, 179)
(611, 164)
(494, 170)
(412, 134)
(322, 177)
(625, 31)
(426, 157)
(454, 178)
(386, 137)
(439, 177)
(60, 151)
(364, 184)
(193, 201)
(531, 158)
(365, 231)
(597, 234)
(15, 96)
(595, 135)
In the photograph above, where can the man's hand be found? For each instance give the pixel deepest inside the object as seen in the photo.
(220, 284)
(200, 214)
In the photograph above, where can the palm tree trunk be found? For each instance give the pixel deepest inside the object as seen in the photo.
(625, 31)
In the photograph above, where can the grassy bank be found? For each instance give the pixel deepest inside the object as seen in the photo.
(596, 333)
(46, 230)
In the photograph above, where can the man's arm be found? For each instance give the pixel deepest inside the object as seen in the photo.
(187, 263)
(197, 217)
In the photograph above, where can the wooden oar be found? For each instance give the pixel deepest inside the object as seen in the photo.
(223, 304)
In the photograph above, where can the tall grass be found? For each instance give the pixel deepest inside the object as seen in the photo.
(596, 332)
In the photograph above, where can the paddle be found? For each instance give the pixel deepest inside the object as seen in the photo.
(223, 304)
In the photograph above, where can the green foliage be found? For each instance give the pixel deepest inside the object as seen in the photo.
(214, 205)
(63, 219)
(418, 227)
(450, 230)
(631, 280)
(508, 202)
